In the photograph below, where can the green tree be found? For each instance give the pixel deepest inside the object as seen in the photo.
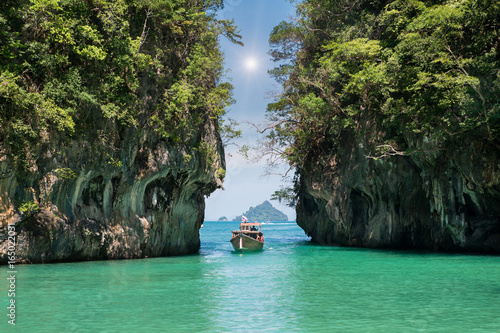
(413, 70)
(80, 70)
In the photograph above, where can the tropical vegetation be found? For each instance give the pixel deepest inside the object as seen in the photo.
(89, 70)
(415, 74)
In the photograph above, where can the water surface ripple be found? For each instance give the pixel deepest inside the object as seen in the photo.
(292, 286)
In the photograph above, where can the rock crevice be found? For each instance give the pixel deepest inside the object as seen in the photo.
(433, 200)
(150, 203)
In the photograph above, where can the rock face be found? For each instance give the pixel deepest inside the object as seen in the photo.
(446, 200)
(109, 127)
(149, 201)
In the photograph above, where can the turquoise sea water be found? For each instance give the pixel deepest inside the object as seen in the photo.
(292, 286)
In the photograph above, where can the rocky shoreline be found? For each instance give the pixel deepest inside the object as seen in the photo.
(432, 200)
(151, 204)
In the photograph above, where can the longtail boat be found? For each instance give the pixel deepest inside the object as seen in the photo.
(248, 238)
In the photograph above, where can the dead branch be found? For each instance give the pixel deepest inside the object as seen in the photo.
(390, 151)
(144, 34)
(268, 127)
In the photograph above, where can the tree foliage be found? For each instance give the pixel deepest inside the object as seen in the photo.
(412, 70)
(87, 69)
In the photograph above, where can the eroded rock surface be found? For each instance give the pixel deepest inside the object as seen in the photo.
(147, 202)
(447, 200)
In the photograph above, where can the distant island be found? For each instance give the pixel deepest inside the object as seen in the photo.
(222, 219)
(263, 212)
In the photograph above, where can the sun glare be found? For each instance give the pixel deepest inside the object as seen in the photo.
(250, 64)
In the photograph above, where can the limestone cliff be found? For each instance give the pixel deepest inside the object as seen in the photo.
(109, 127)
(433, 199)
(151, 205)
(390, 115)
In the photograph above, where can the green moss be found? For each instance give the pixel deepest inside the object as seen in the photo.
(65, 173)
(29, 208)
(221, 173)
(187, 158)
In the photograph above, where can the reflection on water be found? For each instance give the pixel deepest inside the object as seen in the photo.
(291, 286)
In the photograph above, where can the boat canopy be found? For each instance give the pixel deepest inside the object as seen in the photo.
(249, 228)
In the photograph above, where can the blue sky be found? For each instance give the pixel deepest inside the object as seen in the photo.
(245, 185)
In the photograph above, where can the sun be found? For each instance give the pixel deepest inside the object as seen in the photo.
(251, 64)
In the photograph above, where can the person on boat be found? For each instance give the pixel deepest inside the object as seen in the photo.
(260, 237)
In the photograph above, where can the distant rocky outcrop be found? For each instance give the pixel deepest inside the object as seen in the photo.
(222, 219)
(263, 212)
